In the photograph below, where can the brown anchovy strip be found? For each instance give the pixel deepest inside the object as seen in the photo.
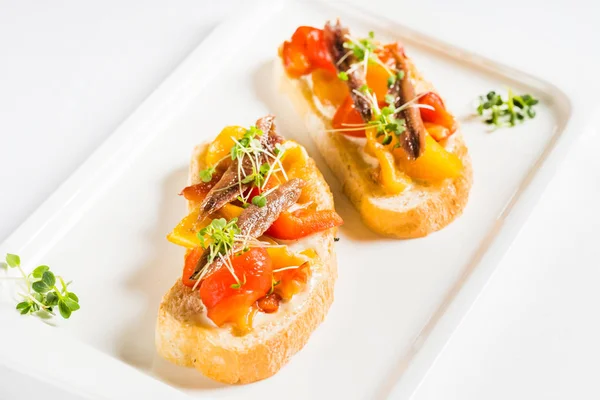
(228, 188)
(334, 37)
(254, 220)
(413, 139)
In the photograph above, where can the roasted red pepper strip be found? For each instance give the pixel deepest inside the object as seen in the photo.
(301, 223)
(191, 259)
(438, 115)
(305, 52)
(296, 63)
(227, 299)
(346, 118)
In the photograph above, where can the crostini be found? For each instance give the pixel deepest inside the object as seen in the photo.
(260, 267)
(382, 129)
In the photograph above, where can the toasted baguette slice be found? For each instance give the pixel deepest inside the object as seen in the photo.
(185, 337)
(416, 212)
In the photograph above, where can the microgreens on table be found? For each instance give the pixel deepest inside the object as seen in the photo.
(507, 112)
(42, 291)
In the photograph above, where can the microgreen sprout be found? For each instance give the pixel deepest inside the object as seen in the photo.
(206, 174)
(507, 112)
(361, 48)
(393, 78)
(42, 291)
(384, 119)
(259, 200)
(273, 284)
(238, 284)
(218, 237)
(222, 240)
(263, 162)
(364, 51)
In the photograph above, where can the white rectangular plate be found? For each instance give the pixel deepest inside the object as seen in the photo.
(397, 302)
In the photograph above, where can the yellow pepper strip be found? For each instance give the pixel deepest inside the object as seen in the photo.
(185, 233)
(281, 258)
(392, 180)
(221, 146)
(230, 211)
(434, 164)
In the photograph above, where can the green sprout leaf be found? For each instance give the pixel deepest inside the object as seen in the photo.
(264, 169)
(218, 237)
(391, 80)
(259, 201)
(64, 309)
(48, 278)
(343, 75)
(24, 307)
(207, 174)
(39, 271)
(51, 299)
(40, 287)
(42, 294)
(72, 304)
(13, 260)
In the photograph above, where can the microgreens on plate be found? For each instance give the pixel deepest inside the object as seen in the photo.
(506, 112)
(44, 291)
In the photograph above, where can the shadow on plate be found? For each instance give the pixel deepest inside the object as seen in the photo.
(291, 126)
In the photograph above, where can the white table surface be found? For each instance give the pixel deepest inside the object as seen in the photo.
(71, 71)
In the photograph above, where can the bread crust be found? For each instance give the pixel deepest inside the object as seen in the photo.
(417, 212)
(185, 339)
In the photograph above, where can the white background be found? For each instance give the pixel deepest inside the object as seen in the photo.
(71, 71)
